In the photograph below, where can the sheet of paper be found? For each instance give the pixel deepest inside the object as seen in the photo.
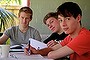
(37, 44)
(21, 55)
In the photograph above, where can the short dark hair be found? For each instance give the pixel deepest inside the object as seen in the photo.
(50, 14)
(26, 10)
(68, 9)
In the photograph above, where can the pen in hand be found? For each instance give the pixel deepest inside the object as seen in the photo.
(29, 47)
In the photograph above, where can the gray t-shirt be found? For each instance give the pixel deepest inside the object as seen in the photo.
(17, 37)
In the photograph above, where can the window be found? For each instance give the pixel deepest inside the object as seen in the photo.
(15, 2)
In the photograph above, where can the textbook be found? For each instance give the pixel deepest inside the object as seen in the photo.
(37, 44)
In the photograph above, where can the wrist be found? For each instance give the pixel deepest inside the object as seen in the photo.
(36, 52)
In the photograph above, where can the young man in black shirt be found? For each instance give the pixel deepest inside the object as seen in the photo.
(52, 22)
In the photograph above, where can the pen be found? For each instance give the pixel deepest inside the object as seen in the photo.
(29, 47)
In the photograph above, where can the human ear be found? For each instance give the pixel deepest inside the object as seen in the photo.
(79, 17)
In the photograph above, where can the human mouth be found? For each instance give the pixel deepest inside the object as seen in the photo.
(52, 29)
(65, 29)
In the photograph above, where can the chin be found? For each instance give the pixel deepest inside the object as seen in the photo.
(54, 31)
(66, 32)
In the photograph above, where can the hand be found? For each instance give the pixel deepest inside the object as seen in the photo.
(43, 52)
(51, 43)
(26, 51)
(32, 50)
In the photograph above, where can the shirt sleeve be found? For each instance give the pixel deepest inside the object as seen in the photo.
(37, 35)
(7, 32)
(65, 41)
(80, 44)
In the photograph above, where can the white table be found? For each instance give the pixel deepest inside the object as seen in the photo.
(22, 56)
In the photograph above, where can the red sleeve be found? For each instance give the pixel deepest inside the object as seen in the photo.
(65, 41)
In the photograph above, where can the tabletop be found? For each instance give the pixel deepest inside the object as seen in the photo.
(22, 56)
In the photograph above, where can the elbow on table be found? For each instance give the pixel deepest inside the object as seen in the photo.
(53, 55)
(50, 55)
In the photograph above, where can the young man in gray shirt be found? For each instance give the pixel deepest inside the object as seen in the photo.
(20, 34)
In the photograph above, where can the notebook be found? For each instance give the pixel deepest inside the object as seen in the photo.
(37, 44)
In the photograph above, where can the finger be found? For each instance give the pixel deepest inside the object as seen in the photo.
(26, 51)
(50, 45)
(50, 42)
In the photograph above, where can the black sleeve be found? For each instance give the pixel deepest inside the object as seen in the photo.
(52, 37)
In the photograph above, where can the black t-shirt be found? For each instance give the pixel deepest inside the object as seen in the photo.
(55, 36)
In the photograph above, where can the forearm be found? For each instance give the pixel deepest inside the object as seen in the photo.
(61, 52)
(57, 46)
(3, 38)
(45, 51)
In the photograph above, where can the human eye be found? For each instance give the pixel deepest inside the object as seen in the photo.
(51, 21)
(47, 25)
(27, 18)
(67, 18)
(60, 21)
(22, 17)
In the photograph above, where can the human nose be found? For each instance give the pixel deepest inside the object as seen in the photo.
(50, 26)
(63, 23)
(24, 20)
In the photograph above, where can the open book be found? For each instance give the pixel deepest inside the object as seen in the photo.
(37, 44)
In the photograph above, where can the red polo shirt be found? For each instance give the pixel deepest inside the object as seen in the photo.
(80, 45)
